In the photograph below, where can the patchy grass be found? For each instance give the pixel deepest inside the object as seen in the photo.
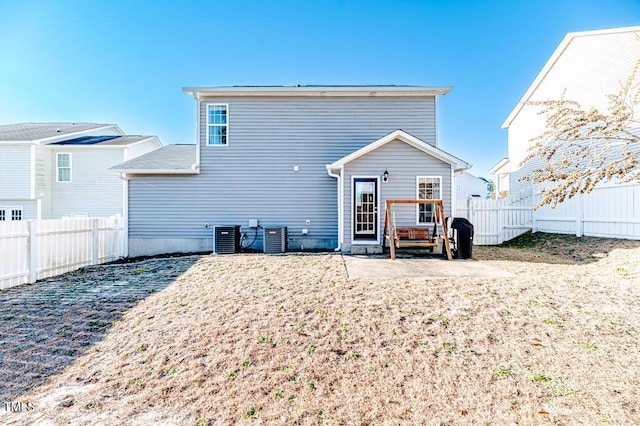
(289, 339)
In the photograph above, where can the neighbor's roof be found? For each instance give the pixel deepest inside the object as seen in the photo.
(311, 90)
(170, 159)
(611, 50)
(107, 140)
(407, 138)
(37, 131)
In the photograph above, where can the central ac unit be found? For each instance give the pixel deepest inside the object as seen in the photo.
(275, 239)
(226, 239)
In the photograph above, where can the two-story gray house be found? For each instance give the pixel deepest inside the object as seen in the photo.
(320, 160)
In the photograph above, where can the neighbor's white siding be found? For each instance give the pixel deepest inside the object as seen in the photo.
(15, 171)
(587, 69)
(94, 189)
(467, 185)
(141, 148)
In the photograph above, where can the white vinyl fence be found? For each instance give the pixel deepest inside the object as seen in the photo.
(496, 221)
(609, 211)
(37, 249)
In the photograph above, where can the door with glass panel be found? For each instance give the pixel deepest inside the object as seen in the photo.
(365, 208)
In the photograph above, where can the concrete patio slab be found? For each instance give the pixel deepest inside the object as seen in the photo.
(382, 266)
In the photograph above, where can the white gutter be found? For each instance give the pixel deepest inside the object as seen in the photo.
(349, 91)
(340, 207)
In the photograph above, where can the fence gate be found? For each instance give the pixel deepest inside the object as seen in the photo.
(496, 221)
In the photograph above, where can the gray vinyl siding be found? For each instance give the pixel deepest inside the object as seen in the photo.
(94, 189)
(15, 171)
(404, 163)
(254, 178)
(332, 125)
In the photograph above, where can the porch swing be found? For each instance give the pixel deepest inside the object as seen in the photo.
(414, 237)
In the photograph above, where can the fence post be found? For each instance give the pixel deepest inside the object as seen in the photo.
(500, 221)
(32, 244)
(580, 217)
(95, 237)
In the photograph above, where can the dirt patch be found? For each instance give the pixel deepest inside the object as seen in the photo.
(290, 339)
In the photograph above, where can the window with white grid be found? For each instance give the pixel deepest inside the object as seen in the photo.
(428, 188)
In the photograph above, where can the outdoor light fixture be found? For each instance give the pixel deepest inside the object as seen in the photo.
(385, 176)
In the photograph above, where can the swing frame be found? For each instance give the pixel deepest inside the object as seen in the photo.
(402, 236)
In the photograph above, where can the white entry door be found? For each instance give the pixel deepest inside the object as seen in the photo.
(365, 208)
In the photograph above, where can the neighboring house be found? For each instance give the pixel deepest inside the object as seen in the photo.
(320, 160)
(501, 172)
(468, 185)
(52, 170)
(586, 67)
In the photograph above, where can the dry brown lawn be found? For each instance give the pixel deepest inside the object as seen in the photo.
(290, 339)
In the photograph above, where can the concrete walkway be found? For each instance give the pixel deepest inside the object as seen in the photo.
(381, 266)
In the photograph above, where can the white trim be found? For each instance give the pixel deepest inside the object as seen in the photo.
(159, 171)
(58, 167)
(453, 194)
(408, 139)
(418, 195)
(207, 125)
(145, 140)
(351, 194)
(198, 133)
(350, 91)
(437, 126)
(498, 166)
(32, 165)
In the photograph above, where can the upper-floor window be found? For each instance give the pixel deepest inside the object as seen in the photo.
(217, 124)
(429, 188)
(63, 166)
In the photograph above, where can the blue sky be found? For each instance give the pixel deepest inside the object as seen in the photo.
(125, 62)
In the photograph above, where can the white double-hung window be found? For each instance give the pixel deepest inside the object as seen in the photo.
(63, 167)
(428, 188)
(217, 124)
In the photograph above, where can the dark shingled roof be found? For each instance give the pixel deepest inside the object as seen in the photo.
(36, 131)
(170, 157)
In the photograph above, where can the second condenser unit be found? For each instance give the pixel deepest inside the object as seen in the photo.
(275, 239)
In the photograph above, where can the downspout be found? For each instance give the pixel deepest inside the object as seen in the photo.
(453, 191)
(340, 224)
(197, 164)
(125, 211)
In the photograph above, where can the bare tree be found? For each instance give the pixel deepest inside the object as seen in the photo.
(583, 147)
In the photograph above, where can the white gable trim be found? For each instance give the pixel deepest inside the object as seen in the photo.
(564, 44)
(405, 137)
